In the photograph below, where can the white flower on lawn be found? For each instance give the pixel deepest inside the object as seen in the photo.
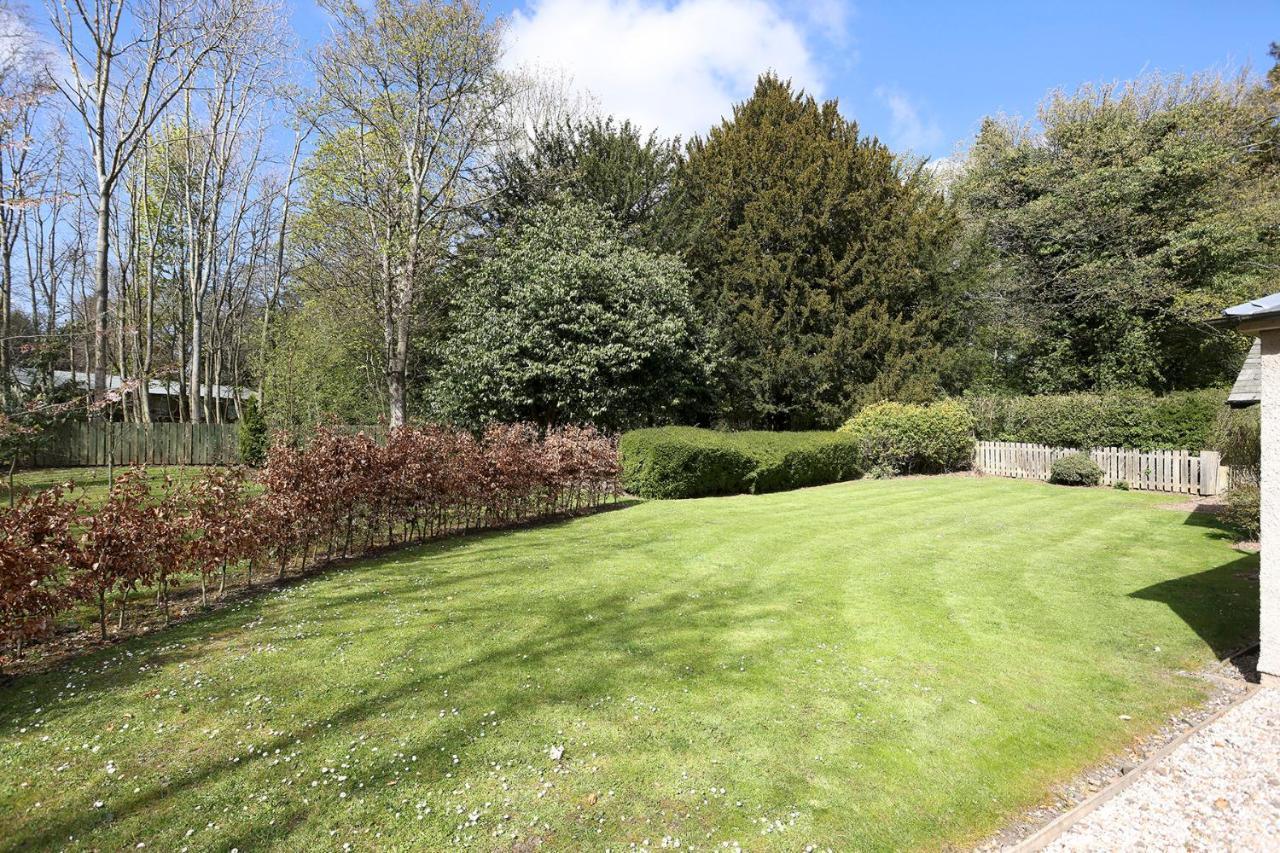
(556, 752)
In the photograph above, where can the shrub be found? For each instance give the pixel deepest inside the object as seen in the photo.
(1243, 512)
(686, 462)
(1075, 469)
(252, 434)
(1134, 419)
(337, 495)
(909, 438)
(33, 538)
(794, 460)
(1237, 435)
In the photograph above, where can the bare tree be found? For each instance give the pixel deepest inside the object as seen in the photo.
(222, 153)
(126, 62)
(411, 97)
(24, 88)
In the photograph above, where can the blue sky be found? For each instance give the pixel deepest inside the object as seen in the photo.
(919, 75)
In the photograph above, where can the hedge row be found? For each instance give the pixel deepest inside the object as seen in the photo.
(1182, 420)
(687, 462)
(337, 496)
(912, 438)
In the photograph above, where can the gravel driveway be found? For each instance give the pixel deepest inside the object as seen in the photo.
(1219, 790)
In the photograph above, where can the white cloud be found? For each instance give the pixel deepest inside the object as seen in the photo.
(677, 67)
(907, 127)
(830, 18)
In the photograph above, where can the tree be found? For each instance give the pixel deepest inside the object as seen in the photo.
(1119, 227)
(24, 91)
(252, 434)
(410, 94)
(561, 321)
(612, 164)
(325, 364)
(826, 265)
(127, 60)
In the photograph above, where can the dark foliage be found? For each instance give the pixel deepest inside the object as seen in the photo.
(822, 262)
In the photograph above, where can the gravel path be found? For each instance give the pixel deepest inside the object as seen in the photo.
(1220, 790)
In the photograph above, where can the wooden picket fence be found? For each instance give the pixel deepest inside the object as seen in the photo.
(1181, 471)
(96, 443)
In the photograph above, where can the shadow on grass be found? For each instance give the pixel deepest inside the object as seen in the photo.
(623, 642)
(1214, 529)
(1219, 604)
(83, 642)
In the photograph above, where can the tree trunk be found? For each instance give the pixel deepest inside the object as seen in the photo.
(102, 282)
(197, 334)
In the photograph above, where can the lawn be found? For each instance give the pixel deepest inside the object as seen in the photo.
(91, 483)
(870, 665)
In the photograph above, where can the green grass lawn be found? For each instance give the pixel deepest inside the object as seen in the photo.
(870, 665)
(92, 484)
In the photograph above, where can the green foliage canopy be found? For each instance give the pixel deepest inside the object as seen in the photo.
(561, 321)
(825, 265)
(599, 160)
(1136, 214)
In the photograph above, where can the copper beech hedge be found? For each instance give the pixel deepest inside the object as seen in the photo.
(340, 495)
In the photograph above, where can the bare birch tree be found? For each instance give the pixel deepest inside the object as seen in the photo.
(125, 63)
(24, 88)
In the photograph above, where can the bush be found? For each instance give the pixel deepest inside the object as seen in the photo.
(794, 460)
(336, 495)
(910, 438)
(1237, 435)
(1137, 419)
(252, 434)
(686, 462)
(1244, 510)
(1075, 469)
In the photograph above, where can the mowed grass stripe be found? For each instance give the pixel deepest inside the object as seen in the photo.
(869, 665)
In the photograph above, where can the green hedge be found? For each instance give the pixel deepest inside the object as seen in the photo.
(687, 462)
(910, 438)
(1182, 420)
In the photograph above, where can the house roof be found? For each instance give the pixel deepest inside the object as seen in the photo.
(1247, 389)
(158, 387)
(1263, 306)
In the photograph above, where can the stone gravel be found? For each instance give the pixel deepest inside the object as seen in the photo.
(1220, 790)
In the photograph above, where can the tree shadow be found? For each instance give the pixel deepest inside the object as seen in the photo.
(668, 631)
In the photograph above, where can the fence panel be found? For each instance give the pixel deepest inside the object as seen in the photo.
(93, 444)
(1179, 471)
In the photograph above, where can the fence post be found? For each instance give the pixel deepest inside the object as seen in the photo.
(1210, 461)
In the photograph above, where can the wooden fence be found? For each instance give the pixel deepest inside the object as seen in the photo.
(95, 443)
(1182, 471)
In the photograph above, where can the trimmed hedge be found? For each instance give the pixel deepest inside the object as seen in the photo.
(910, 438)
(687, 462)
(1182, 420)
